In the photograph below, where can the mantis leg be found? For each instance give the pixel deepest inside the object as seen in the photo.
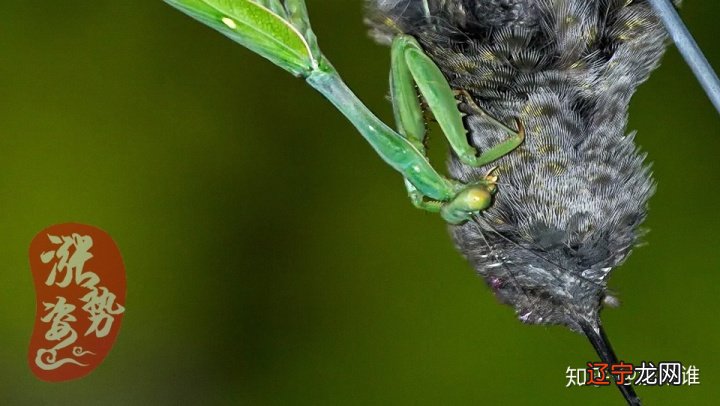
(469, 199)
(441, 99)
(411, 67)
(503, 148)
(408, 118)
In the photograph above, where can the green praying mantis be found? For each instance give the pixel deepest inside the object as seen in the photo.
(280, 31)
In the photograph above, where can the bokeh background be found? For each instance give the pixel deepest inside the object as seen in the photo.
(273, 259)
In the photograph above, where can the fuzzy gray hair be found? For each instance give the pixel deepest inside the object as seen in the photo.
(571, 199)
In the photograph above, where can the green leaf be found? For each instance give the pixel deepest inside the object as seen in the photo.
(275, 6)
(257, 28)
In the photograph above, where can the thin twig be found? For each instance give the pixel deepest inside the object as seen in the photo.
(689, 49)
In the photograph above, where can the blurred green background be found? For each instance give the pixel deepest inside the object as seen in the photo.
(273, 259)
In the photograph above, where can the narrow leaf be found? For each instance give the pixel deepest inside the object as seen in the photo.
(256, 27)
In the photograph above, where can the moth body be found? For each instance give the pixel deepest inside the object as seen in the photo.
(571, 199)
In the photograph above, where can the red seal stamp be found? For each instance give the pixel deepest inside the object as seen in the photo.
(80, 289)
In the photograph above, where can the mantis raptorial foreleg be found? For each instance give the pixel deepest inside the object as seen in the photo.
(411, 67)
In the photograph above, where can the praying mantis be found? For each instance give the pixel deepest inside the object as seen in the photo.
(281, 32)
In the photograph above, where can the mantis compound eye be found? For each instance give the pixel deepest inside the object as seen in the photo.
(470, 200)
(476, 198)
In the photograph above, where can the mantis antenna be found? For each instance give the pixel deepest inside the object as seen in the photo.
(689, 49)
